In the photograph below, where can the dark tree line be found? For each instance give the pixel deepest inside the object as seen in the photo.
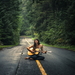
(9, 21)
(52, 21)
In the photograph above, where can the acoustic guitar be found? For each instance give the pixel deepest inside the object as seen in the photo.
(37, 51)
(32, 53)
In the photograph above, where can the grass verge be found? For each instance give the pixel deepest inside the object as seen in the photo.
(68, 47)
(5, 46)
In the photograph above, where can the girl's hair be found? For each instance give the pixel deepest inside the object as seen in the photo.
(34, 46)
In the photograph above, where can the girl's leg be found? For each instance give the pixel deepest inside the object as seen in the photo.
(40, 58)
(34, 57)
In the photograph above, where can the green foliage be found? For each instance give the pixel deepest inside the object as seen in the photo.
(52, 20)
(9, 22)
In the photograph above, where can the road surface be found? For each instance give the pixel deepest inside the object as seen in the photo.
(57, 61)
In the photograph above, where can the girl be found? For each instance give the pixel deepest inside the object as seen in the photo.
(37, 49)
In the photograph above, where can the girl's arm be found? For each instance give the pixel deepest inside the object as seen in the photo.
(28, 48)
(42, 49)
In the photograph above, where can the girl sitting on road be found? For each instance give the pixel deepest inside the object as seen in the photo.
(35, 50)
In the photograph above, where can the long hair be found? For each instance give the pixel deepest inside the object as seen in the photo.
(34, 46)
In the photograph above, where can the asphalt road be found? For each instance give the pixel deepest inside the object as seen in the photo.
(57, 61)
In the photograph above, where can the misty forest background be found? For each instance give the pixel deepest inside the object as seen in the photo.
(51, 21)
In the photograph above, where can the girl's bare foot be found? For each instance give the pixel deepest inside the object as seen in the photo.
(26, 57)
(31, 58)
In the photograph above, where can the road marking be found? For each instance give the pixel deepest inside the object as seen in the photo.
(39, 64)
(41, 67)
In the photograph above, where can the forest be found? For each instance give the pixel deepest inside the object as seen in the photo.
(51, 21)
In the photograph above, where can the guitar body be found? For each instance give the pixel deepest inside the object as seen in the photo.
(36, 51)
